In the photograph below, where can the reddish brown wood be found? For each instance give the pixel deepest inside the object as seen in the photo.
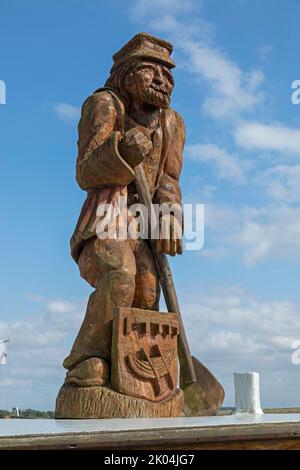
(75, 402)
(144, 353)
(127, 123)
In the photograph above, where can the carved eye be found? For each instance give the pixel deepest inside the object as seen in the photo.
(147, 70)
(168, 76)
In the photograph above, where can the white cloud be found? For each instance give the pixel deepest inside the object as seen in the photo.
(144, 8)
(67, 112)
(228, 166)
(61, 306)
(231, 331)
(282, 342)
(232, 91)
(282, 182)
(258, 136)
(273, 233)
(228, 331)
(196, 27)
(36, 349)
(253, 234)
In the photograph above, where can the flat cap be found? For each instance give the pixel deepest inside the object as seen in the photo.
(145, 46)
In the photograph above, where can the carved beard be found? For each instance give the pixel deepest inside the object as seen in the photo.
(156, 98)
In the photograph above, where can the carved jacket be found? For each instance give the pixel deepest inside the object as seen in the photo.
(104, 174)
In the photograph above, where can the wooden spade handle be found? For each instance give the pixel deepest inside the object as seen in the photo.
(187, 371)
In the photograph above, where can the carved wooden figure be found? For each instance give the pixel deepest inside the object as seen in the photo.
(124, 361)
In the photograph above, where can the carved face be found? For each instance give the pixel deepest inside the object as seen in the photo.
(150, 83)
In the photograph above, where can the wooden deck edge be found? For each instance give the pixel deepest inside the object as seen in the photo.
(259, 435)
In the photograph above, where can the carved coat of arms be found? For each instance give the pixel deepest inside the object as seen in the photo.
(144, 353)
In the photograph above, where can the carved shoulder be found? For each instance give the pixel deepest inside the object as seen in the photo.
(98, 120)
(175, 120)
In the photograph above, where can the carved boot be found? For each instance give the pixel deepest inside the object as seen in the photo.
(89, 373)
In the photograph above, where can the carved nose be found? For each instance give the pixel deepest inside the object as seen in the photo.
(158, 78)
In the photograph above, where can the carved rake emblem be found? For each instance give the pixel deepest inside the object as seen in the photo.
(146, 345)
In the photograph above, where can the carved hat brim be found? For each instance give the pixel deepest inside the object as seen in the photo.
(146, 46)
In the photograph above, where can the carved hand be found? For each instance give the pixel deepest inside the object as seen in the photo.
(135, 145)
(170, 236)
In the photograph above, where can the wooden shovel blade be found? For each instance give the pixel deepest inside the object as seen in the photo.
(205, 396)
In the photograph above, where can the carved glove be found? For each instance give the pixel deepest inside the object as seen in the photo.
(135, 145)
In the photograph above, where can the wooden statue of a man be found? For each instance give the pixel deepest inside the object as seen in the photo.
(127, 122)
(124, 361)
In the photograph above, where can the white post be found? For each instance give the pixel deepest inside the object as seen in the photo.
(247, 399)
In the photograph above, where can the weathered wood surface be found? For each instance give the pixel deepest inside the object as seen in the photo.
(128, 129)
(144, 355)
(100, 402)
(205, 397)
(272, 432)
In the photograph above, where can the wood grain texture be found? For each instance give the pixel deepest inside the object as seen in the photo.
(261, 436)
(144, 353)
(100, 402)
(125, 126)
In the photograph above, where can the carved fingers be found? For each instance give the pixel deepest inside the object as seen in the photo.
(170, 236)
(135, 145)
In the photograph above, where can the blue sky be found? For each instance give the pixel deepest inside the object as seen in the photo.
(236, 61)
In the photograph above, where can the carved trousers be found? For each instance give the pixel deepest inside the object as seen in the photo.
(123, 274)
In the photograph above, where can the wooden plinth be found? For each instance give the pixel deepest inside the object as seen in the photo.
(100, 402)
